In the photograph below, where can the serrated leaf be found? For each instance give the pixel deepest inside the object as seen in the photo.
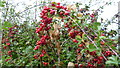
(14, 55)
(110, 62)
(91, 48)
(6, 25)
(28, 49)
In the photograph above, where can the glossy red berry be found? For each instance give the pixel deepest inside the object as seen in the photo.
(52, 12)
(81, 45)
(8, 44)
(41, 55)
(37, 47)
(53, 5)
(102, 34)
(58, 3)
(35, 56)
(61, 13)
(74, 40)
(102, 43)
(45, 63)
(66, 13)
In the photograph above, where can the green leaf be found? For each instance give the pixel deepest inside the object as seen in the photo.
(28, 49)
(0, 25)
(6, 25)
(97, 23)
(91, 48)
(83, 50)
(2, 3)
(110, 62)
(113, 47)
(14, 55)
(102, 37)
(113, 60)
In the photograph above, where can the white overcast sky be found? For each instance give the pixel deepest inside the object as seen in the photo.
(109, 11)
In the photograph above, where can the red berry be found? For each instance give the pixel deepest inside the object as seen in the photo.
(69, 29)
(78, 50)
(37, 47)
(66, 13)
(76, 66)
(45, 63)
(95, 60)
(81, 65)
(46, 8)
(58, 3)
(43, 51)
(61, 13)
(93, 53)
(5, 47)
(64, 8)
(35, 56)
(81, 45)
(9, 52)
(8, 44)
(53, 4)
(102, 43)
(66, 25)
(102, 34)
(52, 12)
(44, 17)
(92, 15)
(6, 40)
(74, 40)
(108, 53)
(58, 6)
(41, 55)
(7, 60)
(100, 58)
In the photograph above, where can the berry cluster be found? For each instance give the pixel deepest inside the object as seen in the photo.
(11, 32)
(43, 52)
(9, 53)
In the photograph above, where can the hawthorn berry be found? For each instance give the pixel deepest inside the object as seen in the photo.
(5, 47)
(7, 60)
(9, 52)
(61, 13)
(64, 8)
(76, 66)
(41, 55)
(58, 3)
(7, 40)
(93, 53)
(36, 47)
(74, 40)
(102, 34)
(52, 12)
(92, 15)
(46, 8)
(35, 56)
(8, 44)
(108, 53)
(81, 45)
(53, 5)
(58, 6)
(45, 63)
(102, 43)
(66, 13)
(43, 51)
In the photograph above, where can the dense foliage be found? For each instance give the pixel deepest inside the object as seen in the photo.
(64, 34)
